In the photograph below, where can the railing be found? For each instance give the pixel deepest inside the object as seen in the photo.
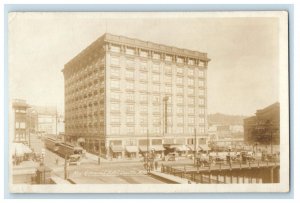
(203, 173)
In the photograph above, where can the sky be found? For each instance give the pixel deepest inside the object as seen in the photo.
(243, 74)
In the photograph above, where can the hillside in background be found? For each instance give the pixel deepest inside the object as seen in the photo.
(224, 119)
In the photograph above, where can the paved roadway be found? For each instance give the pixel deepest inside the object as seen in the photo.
(89, 172)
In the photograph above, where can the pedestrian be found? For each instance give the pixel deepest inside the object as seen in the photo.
(152, 165)
(156, 165)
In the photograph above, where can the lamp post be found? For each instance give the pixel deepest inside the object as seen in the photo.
(147, 157)
(195, 134)
(165, 99)
(271, 130)
(99, 155)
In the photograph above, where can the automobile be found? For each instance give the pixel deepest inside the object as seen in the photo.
(74, 159)
(203, 160)
(172, 157)
(247, 156)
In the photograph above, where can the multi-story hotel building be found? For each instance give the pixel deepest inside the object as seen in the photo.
(121, 92)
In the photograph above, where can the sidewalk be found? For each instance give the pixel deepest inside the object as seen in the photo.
(26, 164)
(25, 167)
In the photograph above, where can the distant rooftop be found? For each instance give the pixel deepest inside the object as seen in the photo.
(20, 103)
(45, 110)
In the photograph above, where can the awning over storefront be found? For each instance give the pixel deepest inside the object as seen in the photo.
(19, 149)
(192, 147)
(204, 147)
(143, 148)
(157, 148)
(181, 148)
(116, 148)
(131, 149)
(80, 140)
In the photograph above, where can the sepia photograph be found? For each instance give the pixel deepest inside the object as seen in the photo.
(148, 102)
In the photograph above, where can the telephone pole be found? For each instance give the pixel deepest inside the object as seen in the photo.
(99, 155)
(148, 168)
(195, 134)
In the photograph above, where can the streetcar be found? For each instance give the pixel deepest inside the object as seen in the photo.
(64, 150)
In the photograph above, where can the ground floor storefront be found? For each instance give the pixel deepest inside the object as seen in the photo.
(139, 147)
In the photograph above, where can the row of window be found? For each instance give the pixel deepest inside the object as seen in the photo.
(130, 85)
(143, 66)
(157, 119)
(156, 55)
(141, 142)
(129, 106)
(155, 98)
(143, 76)
(116, 130)
(86, 71)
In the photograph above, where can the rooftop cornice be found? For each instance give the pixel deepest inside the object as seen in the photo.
(98, 45)
(155, 46)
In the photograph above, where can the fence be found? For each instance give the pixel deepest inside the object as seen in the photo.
(217, 172)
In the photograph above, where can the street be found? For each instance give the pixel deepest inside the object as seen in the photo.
(88, 172)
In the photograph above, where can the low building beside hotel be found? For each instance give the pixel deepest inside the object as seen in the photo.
(264, 127)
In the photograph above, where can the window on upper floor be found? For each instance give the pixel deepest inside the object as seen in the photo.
(191, 91)
(156, 67)
(115, 48)
(201, 92)
(130, 51)
(179, 110)
(143, 76)
(144, 53)
(114, 84)
(191, 72)
(156, 56)
(168, 89)
(115, 107)
(180, 70)
(168, 58)
(191, 82)
(201, 101)
(191, 110)
(115, 130)
(191, 120)
(130, 119)
(130, 97)
(201, 83)
(201, 73)
(155, 77)
(179, 60)
(115, 96)
(129, 85)
(143, 98)
(155, 88)
(130, 63)
(115, 72)
(191, 62)
(129, 74)
(115, 119)
(201, 111)
(168, 79)
(115, 61)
